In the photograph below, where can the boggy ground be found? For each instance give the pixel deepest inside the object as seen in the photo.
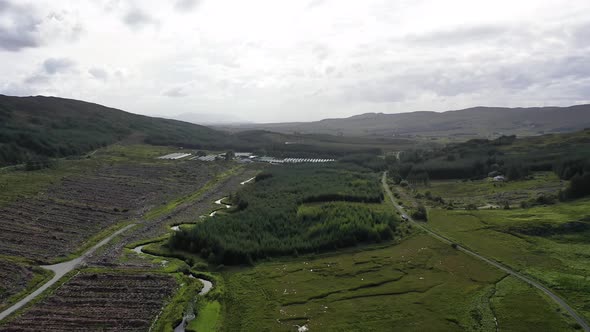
(550, 243)
(417, 285)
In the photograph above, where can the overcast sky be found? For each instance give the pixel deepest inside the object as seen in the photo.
(275, 60)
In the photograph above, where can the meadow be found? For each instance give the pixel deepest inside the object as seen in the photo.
(550, 243)
(419, 284)
(488, 193)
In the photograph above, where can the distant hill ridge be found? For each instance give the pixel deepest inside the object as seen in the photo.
(32, 127)
(472, 122)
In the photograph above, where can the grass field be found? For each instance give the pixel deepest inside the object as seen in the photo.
(551, 243)
(207, 318)
(417, 285)
(486, 192)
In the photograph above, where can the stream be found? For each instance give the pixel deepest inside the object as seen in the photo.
(189, 316)
(218, 202)
(207, 285)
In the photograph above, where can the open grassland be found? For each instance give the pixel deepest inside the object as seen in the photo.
(489, 193)
(417, 285)
(99, 302)
(550, 243)
(207, 318)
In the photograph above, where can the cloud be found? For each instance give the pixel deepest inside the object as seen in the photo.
(37, 79)
(459, 35)
(318, 59)
(98, 73)
(186, 5)
(25, 26)
(136, 18)
(315, 3)
(57, 65)
(582, 35)
(12, 89)
(176, 92)
(18, 27)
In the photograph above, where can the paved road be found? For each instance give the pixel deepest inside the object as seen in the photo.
(60, 270)
(579, 319)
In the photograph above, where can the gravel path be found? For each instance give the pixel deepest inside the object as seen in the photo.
(60, 270)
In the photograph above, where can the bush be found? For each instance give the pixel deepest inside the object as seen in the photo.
(578, 187)
(420, 213)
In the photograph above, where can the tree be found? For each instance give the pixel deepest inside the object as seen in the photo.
(420, 213)
(201, 153)
(229, 155)
(579, 187)
(517, 172)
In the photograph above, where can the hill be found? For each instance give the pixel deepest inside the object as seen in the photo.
(37, 128)
(469, 123)
(32, 127)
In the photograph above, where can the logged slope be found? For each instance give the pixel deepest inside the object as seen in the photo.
(471, 122)
(57, 127)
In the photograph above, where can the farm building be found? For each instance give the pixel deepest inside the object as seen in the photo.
(175, 156)
(499, 178)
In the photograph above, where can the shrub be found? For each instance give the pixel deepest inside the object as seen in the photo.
(420, 213)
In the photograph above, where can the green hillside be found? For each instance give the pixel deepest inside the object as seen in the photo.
(37, 128)
(33, 127)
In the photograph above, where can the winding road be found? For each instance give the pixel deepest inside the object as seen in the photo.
(60, 270)
(577, 317)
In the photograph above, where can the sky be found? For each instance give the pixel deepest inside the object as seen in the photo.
(299, 60)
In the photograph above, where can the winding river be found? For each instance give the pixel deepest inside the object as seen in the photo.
(207, 285)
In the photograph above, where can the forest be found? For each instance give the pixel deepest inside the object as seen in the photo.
(506, 155)
(292, 210)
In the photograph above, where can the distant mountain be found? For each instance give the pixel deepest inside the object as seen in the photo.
(207, 118)
(55, 127)
(471, 122)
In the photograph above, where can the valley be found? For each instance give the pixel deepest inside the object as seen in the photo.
(224, 244)
(294, 166)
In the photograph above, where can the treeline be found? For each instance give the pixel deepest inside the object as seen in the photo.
(568, 155)
(578, 174)
(476, 159)
(273, 219)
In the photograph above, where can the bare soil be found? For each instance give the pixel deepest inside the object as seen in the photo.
(99, 302)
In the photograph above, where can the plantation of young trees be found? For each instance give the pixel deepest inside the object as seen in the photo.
(291, 210)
